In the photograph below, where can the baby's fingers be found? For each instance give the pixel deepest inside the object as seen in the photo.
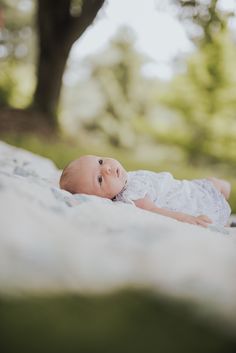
(202, 223)
(205, 219)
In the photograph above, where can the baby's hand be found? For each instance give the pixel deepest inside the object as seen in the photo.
(201, 220)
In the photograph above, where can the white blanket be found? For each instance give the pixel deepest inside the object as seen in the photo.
(51, 240)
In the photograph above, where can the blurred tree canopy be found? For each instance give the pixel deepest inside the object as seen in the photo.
(195, 111)
(17, 48)
(205, 95)
(203, 19)
(117, 73)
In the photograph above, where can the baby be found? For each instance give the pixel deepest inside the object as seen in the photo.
(200, 201)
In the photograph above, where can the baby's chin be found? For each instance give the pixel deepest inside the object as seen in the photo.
(121, 189)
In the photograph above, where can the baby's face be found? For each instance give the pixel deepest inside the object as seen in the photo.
(101, 176)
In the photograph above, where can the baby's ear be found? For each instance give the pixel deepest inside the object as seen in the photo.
(61, 180)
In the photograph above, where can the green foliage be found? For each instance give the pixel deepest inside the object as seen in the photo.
(16, 84)
(6, 88)
(17, 41)
(204, 20)
(17, 33)
(204, 97)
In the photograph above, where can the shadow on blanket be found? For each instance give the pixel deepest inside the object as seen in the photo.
(127, 321)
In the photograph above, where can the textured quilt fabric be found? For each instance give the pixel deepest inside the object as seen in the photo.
(53, 241)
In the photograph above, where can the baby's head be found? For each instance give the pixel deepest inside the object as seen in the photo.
(93, 175)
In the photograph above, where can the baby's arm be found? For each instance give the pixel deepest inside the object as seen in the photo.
(148, 205)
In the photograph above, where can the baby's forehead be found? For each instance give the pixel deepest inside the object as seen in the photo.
(85, 163)
(74, 165)
(72, 169)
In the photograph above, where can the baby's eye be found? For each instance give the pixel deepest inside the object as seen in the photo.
(100, 180)
(100, 161)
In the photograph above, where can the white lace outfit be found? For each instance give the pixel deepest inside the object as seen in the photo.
(193, 197)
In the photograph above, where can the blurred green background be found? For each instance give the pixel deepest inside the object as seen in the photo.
(126, 321)
(62, 107)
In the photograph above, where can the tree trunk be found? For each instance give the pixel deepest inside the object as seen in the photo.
(51, 65)
(58, 29)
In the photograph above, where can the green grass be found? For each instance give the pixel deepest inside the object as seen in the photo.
(123, 322)
(61, 151)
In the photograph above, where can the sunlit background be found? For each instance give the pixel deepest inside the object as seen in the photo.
(150, 82)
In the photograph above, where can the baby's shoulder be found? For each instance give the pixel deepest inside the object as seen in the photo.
(138, 177)
(147, 174)
(149, 180)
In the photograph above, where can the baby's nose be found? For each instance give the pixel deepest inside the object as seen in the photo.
(107, 169)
